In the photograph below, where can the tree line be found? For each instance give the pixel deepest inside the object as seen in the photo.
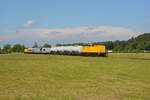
(7, 48)
(140, 43)
(135, 44)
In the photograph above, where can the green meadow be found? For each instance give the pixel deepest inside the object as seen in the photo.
(120, 76)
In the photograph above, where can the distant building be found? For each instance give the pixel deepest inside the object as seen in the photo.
(110, 51)
(146, 51)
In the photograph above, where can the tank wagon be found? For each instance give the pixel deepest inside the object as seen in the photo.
(96, 50)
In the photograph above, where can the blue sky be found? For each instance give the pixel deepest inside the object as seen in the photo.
(68, 21)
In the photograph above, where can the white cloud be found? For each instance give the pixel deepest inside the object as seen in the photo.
(28, 24)
(80, 34)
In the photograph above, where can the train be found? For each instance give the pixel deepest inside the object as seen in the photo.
(95, 50)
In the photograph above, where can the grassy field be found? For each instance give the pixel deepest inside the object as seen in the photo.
(56, 77)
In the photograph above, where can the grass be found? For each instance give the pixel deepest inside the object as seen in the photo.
(121, 76)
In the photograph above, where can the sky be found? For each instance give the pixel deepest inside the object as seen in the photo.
(72, 21)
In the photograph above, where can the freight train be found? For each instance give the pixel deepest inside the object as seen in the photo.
(96, 50)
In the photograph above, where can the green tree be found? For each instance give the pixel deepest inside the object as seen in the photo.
(110, 45)
(119, 46)
(147, 46)
(18, 48)
(7, 48)
(1, 51)
(141, 46)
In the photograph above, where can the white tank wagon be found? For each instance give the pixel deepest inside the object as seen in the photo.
(66, 50)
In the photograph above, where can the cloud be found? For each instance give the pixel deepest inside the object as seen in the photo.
(27, 24)
(69, 35)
